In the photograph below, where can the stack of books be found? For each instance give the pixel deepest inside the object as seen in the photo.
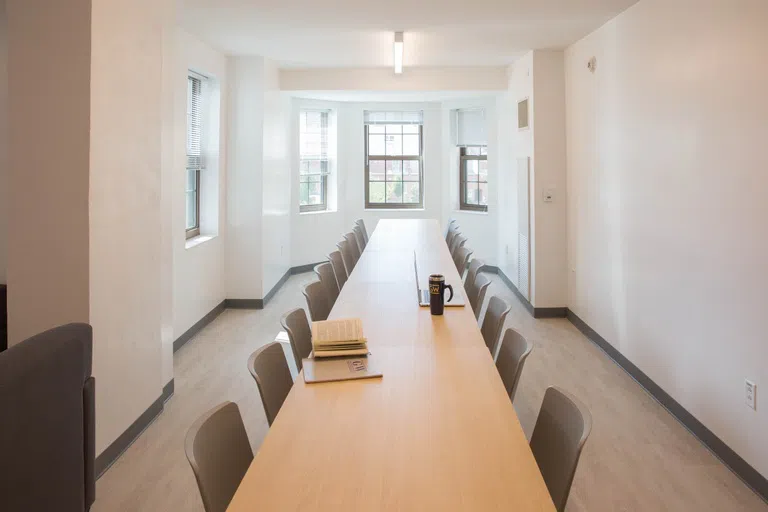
(339, 338)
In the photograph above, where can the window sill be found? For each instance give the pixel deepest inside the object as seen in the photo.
(198, 240)
(318, 212)
(404, 210)
(470, 212)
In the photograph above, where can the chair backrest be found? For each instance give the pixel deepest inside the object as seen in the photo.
(474, 267)
(360, 223)
(358, 232)
(476, 293)
(338, 268)
(561, 430)
(493, 322)
(513, 352)
(346, 256)
(461, 259)
(449, 227)
(317, 301)
(453, 232)
(325, 273)
(354, 249)
(297, 326)
(458, 241)
(218, 450)
(453, 228)
(273, 378)
(47, 421)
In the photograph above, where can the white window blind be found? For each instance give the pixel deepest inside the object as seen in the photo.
(471, 128)
(394, 117)
(194, 122)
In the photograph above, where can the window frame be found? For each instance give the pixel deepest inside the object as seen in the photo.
(192, 232)
(420, 158)
(323, 205)
(463, 159)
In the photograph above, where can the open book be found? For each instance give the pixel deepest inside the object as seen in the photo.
(333, 338)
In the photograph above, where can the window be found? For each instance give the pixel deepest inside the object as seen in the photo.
(394, 165)
(313, 160)
(194, 152)
(473, 178)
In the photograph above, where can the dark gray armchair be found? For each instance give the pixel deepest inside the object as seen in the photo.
(47, 428)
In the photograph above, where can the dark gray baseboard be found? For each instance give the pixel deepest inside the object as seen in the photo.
(717, 446)
(168, 390)
(534, 311)
(271, 293)
(260, 303)
(197, 327)
(244, 303)
(126, 439)
(550, 312)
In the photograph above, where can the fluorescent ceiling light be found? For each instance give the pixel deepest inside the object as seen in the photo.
(398, 52)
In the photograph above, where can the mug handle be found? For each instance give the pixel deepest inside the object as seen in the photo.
(449, 287)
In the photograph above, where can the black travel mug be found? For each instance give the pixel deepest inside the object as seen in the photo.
(437, 289)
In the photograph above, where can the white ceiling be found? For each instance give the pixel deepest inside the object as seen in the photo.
(359, 33)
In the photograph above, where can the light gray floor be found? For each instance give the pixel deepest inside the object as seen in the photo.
(638, 457)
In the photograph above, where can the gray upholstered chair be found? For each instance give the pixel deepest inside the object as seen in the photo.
(449, 228)
(354, 249)
(561, 430)
(453, 232)
(513, 352)
(317, 301)
(218, 450)
(325, 273)
(358, 232)
(461, 259)
(453, 228)
(458, 241)
(476, 293)
(360, 223)
(269, 369)
(47, 422)
(338, 268)
(474, 267)
(345, 248)
(493, 322)
(297, 326)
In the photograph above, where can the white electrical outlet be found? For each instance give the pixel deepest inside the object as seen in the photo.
(750, 396)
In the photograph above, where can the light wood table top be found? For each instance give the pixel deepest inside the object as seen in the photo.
(437, 432)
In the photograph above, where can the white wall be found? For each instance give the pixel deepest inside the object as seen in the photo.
(48, 240)
(244, 173)
(548, 225)
(383, 79)
(3, 142)
(198, 265)
(276, 223)
(259, 179)
(481, 229)
(667, 221)
(125, 209)
(513, 144)
(316, 234)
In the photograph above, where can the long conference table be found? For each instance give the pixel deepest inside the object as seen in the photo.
(436, 432)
